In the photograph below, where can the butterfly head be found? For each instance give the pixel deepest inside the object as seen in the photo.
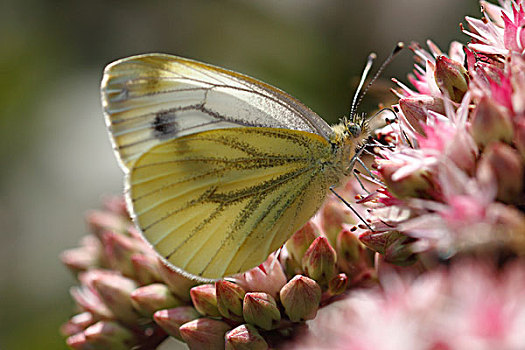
(348, 134)
(356, 126)
(352, 130)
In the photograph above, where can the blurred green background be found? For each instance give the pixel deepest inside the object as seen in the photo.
(56, 158)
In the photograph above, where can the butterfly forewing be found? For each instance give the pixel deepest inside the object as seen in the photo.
(218, 202)
(220, 168)
(149, 99)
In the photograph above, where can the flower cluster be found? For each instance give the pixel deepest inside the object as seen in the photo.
(468, 306)
(128, 298)
(453, 191)
(450, 185)
(455, 180)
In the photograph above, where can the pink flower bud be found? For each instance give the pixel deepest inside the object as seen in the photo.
(414, 184)
(153, 297)
(491, 122)
(204, 333)
(229, 299)
(319, 261)
(260, 309)
(451, 77)
(400, 251)
(146, 267)
(103, 335)
(290, 266)
(378, 241)
(179, 284)
(88, 299)
(506, 164)
(301, 240)
(109, 330)
(77, 323)
(394, 245)
(338, 284)
(333, 216)
(352, 256)
(462, 150)
(119, 249)
(87, 256)
(115, 291)
(245, 337)
(300, 298)
(141, 244)
(268, 277)
(204, 299)
(415, 109)
(116, 205)
(100, 221)
(348, 247)
(170, 320)
(78, 342)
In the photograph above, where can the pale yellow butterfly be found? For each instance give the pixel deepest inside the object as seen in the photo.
(221, 169)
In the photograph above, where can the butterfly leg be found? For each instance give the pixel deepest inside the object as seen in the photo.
(356, 156)
(351, 208)
(357, 173)
(367, 178)
(372, 177)
(366, 168)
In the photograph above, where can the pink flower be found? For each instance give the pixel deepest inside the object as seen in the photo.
(456, 173)
(468, 306)
(268, 277)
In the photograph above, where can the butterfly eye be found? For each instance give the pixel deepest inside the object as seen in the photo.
(354, 129)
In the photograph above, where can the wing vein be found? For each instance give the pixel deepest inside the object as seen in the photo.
(241, 195)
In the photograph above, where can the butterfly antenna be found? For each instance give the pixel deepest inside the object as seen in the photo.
(385, 109)
(368, 66)
(358, 97)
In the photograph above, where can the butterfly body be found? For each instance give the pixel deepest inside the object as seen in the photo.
(220, 168)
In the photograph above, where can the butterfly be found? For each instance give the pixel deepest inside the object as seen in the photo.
(220, 168)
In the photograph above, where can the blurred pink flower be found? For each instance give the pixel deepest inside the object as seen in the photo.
(470, 306)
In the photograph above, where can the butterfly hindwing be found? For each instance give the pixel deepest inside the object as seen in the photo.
(218, 202)
(150, 99)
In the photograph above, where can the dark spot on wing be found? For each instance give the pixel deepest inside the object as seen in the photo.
(165, 126)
